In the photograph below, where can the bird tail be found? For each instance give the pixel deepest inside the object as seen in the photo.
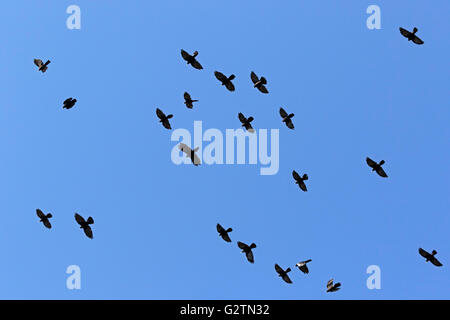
(229, 229)
(253, 246)
(309, 260)
(195, 54)
(415, 30)
(434, 252)
(381, 162)
(305, 177)
(263, 80)
(232, 77)
(90, 220)
(169, 116)
(49, 215)
(288, 270)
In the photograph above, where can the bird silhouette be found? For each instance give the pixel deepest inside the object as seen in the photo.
(44, 218)
(164, 119)
(85, 225)
(226, 81)
(430, 257)
(190, 153)
(377, 167)
(191, 59)
(302, 265)
(411, 36)
(246, 122)
(247, 250)
(259, 83)
(41, 66)
(69, 103)
(300, 180)
(283, 273)
(224, 233)
(287, 118)
(188, 101)
(333, 287)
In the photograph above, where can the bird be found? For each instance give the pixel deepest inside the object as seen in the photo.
(283, 274)
(247, 250)
(303, 267)
(226, 81)
(246, 122)
(188, 101)
(42, 66)
(164, 119)
(84, 224)
(224, 233)
(191, 59)
(287, 118)
(333, 287)
(259, 83)
(411, 36)
(300, 180)
(190, 153)
(44, 218)
(430, 257)
(69, 103)
(377, 167)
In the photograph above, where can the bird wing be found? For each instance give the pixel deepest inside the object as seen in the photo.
(381, 172)
(47, 223)
(196, 64)
(187, 96)
(186, 56)
(160, 114)
(219, 228)
(278, 269)
(230, 86)
(40, 214)
(250, 257)
(242, 245)
(183, 147)
(196, 161)
(283, 113)
(263, 89)
(330, 283)
(88, 232)
(166, 124)
(424, 253)
(79, 219)
(242, 118)
(287, 279)
(289, 124)
(225, 237)
(38, 62)
(220, 76)
(304, 268)
(436, 262)
(404, 32)
(254, 77)
(296, 175)
(417, 40)
(302, 185)
(370, 162)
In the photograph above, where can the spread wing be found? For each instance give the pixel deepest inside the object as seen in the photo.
(304, 268)
(370, 162)
(88, 232)
(230, 86)
(196, 64)
(302, 185)
(296, 175)
(404, 32)
(278, 269)
(166, 124)
(160, 114)
(417, 40)
(38, 62)
(242, 245)
(287, 279)
(220, 76)
(330, 284)
(242, 118)
(219, 228)
(225, 237)
(79, 219)
(263, 89)
(254, 77)
(47, 223)
(423, 253)
(250, 257)
(196, 160)
(436, 262)
(283, 113)
(40, 214)
(381, 172)
(186, 56)
(289, 124)
(187, 96)
(183, 147)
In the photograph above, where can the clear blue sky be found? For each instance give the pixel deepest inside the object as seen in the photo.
(355, 93)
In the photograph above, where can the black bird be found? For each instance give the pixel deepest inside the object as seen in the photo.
(188, 101)
(430, 257)
(333, 287)
(163, 118)
(246, 122)
(42, 66)
(226, 81)
(44, 218)
(303, 267)
(411, 36)
(69, 103)
(287, 118)
(191, 59)
(259, 83)
(283, 274)
(190, 153)
(300, 180)
(377, 167)
(84, 224)
(224, 233)
(247, 250)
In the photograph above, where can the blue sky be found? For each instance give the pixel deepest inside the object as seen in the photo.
(355, 92)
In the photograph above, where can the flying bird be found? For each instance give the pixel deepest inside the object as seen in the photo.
(42, 66)
(191, 59)
(300, 180)
(85, 225)
(163, 118)
(190, 153)
(333, 287)
(430, 257)
(303, 267)
(224, 233)
(287, 118)
(69, 103)
(188, 101)
(247, 250)
(411, 36)
(259, 83)
(283, 274)
(226, 81)
(246, 122)
(377, 167)
(44, 218)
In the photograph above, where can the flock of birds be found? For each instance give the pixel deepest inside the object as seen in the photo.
(260, 84)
